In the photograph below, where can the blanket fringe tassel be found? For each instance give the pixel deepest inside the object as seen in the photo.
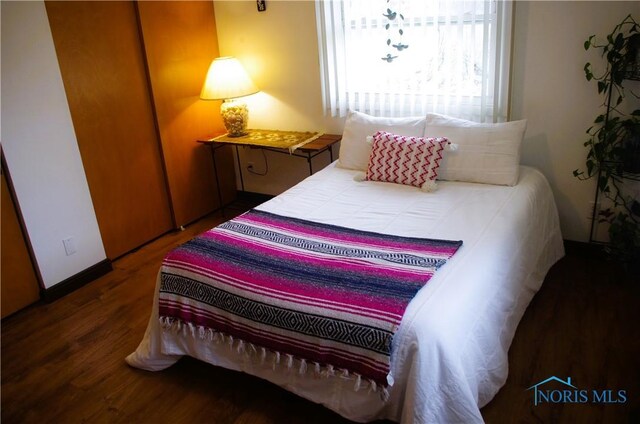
(246, 348)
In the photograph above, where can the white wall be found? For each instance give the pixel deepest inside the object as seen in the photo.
(279, 49)
(550, 90)
(40, 147)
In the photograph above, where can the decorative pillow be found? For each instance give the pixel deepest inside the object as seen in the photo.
(354, 149)
(487, 153)
(405, 160)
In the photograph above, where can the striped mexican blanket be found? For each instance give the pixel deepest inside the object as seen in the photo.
(317, 294)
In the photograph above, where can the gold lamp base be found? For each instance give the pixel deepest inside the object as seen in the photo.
(235, 116)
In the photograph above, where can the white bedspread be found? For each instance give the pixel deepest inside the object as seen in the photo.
(450, 354)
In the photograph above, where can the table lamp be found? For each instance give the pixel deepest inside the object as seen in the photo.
(227, 80)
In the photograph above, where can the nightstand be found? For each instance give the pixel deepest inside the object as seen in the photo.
(292, 143)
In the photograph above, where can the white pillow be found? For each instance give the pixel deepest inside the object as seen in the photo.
(354, 149)
(487, 153)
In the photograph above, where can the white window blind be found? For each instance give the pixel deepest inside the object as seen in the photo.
(410, 57)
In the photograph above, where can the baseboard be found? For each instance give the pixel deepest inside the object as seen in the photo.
(76, 281)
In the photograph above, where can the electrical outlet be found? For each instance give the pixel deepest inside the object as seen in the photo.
(69, 246)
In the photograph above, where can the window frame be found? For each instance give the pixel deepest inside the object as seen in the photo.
(491, 105)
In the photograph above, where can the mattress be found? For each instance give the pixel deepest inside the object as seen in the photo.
(449, 355)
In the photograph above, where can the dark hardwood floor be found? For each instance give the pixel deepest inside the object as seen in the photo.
(63, 362)
(584, 323)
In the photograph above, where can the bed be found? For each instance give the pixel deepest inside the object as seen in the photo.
(449, 353)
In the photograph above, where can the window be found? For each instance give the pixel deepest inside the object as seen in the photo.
(410, 57)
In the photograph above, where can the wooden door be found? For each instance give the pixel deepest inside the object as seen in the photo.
(18, 279)
(180, 42)
(103, 69)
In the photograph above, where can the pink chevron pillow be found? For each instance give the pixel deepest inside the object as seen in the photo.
(405, 160)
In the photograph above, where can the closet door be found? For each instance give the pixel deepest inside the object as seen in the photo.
(20, 286)
(180, 42)
(103, 69)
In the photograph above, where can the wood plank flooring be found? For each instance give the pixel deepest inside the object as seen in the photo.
(64, 362)
(584, 323)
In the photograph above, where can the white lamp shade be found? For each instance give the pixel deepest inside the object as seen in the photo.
(227, 79)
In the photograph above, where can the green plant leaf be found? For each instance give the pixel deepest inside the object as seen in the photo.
(603, 184)
(602, 86)
(618, 77)
(618, 152)
(599, 118)
(587, 71)
(590, 167)
(619, 42)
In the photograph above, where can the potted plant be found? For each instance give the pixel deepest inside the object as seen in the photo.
(614, 140)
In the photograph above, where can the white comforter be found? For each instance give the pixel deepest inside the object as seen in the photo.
(450, 354)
